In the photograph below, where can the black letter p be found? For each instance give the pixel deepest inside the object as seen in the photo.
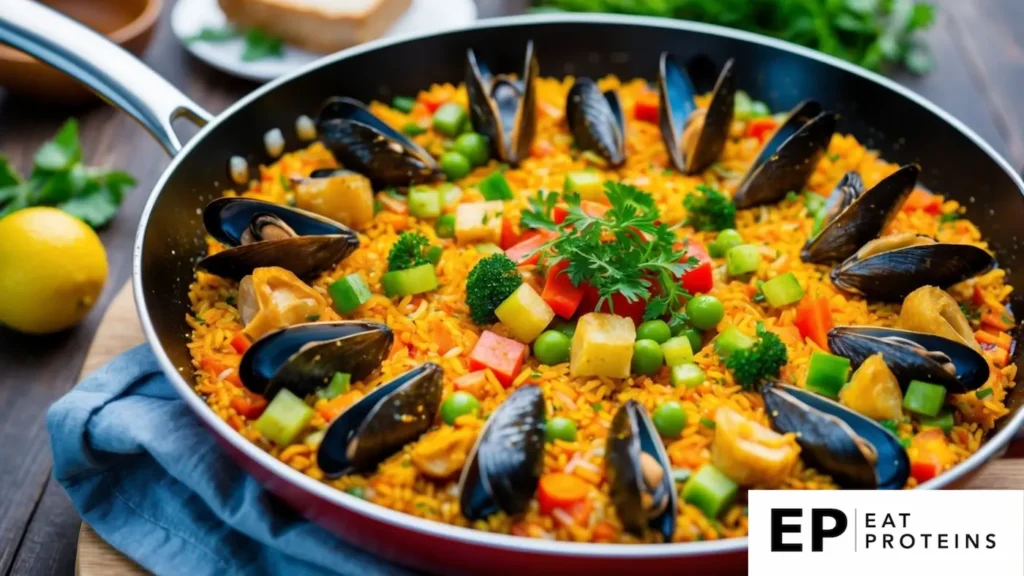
(818, 532)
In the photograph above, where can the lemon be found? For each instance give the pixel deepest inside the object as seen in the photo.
(52, 270)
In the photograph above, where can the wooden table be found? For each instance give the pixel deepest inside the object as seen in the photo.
(979, 77)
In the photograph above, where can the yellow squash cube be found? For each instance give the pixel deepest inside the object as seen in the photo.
(479, 222)
(602, 346)
(525, 314)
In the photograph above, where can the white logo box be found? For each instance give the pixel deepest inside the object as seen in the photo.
(906, 532)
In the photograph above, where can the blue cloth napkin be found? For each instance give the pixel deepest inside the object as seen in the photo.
(151, 481)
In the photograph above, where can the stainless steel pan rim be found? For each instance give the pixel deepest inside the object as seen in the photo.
(158, 121)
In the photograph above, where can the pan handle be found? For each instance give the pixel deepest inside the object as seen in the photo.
(109, 70)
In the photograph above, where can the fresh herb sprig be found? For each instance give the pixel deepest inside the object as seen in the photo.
(625, 251)
(59, 179)
(709, 210)
(872, 33)
(259, 45)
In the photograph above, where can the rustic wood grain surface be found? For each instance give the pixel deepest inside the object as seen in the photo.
(979, 77)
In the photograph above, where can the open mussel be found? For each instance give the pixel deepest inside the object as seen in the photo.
(378, 425)
(304, 357)
(506, 463)
(854, 217)
(595, 121)
(694, 137)
(856, 451)
(891, 267)
(504, 108)
(913, 356)
(788, 159)
(261, 234)
(363, 142)
(639, 476)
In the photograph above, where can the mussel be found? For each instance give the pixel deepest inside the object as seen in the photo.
(341, 195)
(304, 357)
(913, 356)
(856, 451)
(506, 463)
(382, 422)
(595, 121)
(264, 234)
(932, 310)
(363, 142)
(639, 476)
(854, 217)
(891, 267)
(788, 159)
(504, 108)
(694, 137)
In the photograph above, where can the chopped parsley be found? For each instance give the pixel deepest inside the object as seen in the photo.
(983, 393)
(709, 209)
(708, 423)
(625, 251)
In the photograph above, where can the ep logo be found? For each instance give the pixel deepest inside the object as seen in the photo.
(822, 523)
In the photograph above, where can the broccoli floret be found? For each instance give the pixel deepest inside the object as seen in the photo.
(409, 251)
(760, 362)
(709, 210)
(489, 283)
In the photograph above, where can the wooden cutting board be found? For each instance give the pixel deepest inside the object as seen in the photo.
(120, 330)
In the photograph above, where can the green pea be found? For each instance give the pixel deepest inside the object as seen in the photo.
(459, 404)
(473, 146)
(691, 334)
(705, 311)
(455, 165)
(647, 357)
(727, 239)
(560, 428)
(670, 419)
(551, 348)
(656, 330)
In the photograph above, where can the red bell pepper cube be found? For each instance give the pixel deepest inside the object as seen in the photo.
(559, 292)
(645, 109)
(760, 128)
(503, 356)
(699, 279)
(250, 404)
(814, 320)
(923, 200)
(240, 342)
(510, 235)
(528, 251)
(621, 306)
(430, 101)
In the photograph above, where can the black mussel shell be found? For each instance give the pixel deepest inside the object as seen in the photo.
(788, 159)
(913, 356)
(856, 451)
(631, 434)
(893, 274)
(676, 106)
(304, 357)
(505, 465)
(384, 421)
(595, 121)
(503, 109)
(366, 144)
(863, 219)
(320, 242)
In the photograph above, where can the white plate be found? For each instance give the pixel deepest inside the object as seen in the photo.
(189, 17)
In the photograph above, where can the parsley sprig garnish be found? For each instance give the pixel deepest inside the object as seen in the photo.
(625, 251)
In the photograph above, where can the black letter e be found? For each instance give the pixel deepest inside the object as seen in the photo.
(779, 528)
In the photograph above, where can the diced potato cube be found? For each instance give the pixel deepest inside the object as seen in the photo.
(525, 314)
(477, 222)
(602, 346)
(589, 185)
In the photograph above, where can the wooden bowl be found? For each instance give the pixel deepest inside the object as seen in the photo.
(129, 23)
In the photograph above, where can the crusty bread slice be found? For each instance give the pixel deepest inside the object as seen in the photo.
(317, 25)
